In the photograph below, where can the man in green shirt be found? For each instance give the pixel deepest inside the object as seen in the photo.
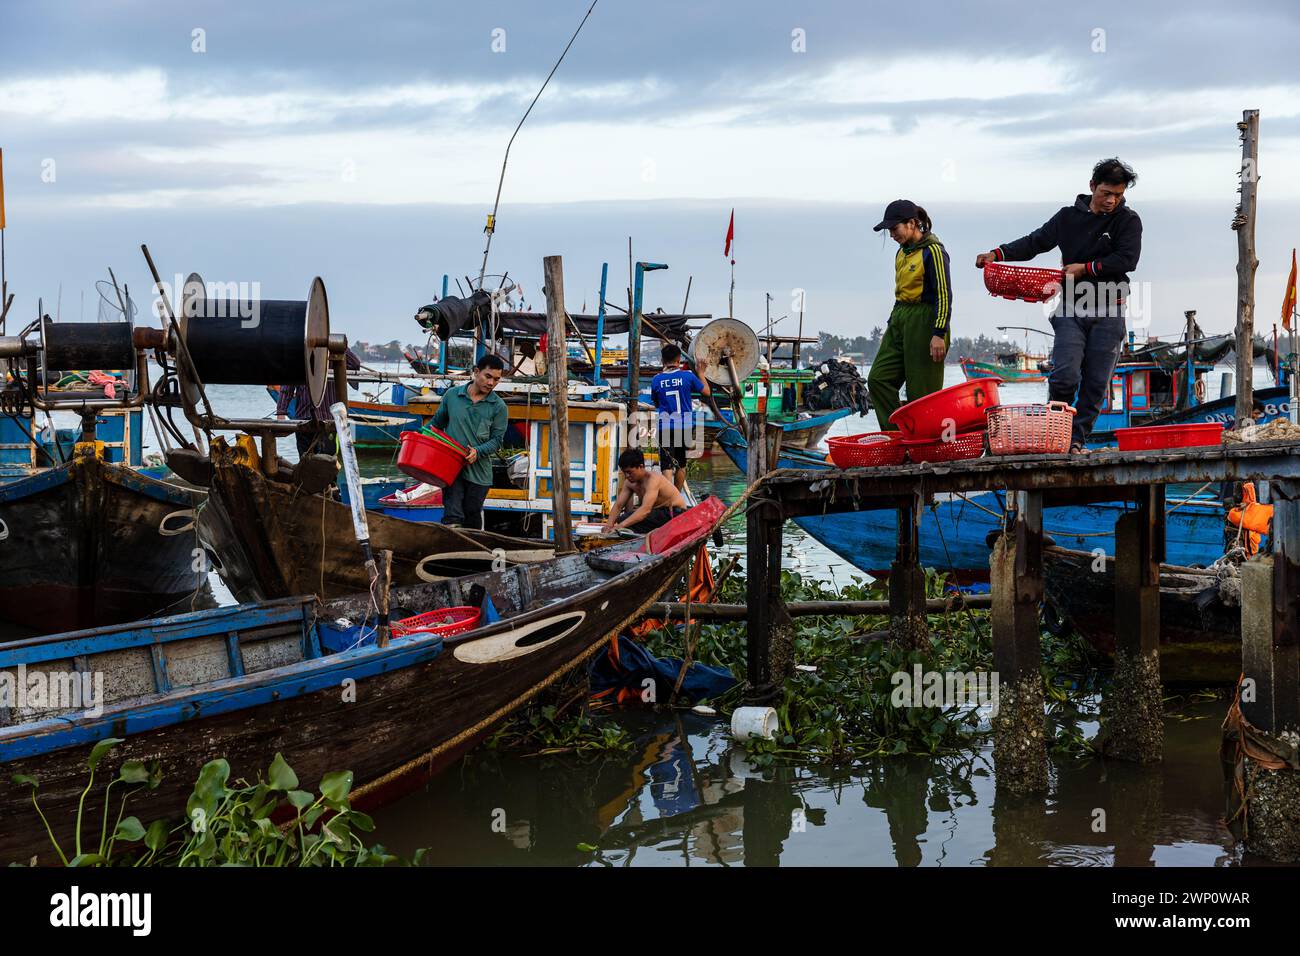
(474, 415)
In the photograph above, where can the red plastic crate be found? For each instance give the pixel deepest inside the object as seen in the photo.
(871, 449)
(445, 622)
(1026, 283)
(968, 445)
(1147, 437)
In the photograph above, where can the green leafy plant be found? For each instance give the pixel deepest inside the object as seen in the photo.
(227, 823)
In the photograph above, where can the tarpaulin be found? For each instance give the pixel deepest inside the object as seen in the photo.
(624, 669)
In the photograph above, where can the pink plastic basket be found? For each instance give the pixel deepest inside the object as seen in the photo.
(869, 450)
(1030, 429)
(1026, 283)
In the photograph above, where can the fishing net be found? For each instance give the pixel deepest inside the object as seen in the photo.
(838, 385)
(110, 306)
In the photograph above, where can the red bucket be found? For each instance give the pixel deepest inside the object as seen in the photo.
(960, 406)
(430, 459)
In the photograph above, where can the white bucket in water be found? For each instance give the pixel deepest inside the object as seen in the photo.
(749, 722)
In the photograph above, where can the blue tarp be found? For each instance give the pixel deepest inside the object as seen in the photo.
(634, 664)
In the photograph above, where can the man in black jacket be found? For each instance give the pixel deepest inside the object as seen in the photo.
(1100, 239)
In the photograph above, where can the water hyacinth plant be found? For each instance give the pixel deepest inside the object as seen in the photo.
(227, 822)
(837, 708)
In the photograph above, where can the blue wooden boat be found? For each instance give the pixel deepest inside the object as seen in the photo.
(955, 529)
(801, 432)
(309, 681)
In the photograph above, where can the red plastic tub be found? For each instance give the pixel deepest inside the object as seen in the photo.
(957, 408)
(969, 445)
(434, 460)
(1147, 437)
(864, 451)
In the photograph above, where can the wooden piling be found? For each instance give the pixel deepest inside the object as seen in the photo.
(385, 587)
(1131, 709)
(1016, 578)
(1244, 224)
(557, 371)
(768, 627)
(1270, 692)
(907, 621)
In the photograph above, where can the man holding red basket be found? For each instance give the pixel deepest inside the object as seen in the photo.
(1100, 239)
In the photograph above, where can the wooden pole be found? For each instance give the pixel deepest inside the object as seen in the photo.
(557, 371)
(1244, 224)
(739, 612)
(385, 583)
(1016, 578)
(758, 567)
(1132, 705)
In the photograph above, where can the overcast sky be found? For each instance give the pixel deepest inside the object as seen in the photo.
(271, 142)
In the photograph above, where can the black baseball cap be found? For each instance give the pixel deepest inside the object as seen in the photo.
(900, 210)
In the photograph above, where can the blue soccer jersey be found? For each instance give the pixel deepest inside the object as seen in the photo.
(671, 393)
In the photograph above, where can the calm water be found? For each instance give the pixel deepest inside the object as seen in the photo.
(686, 795)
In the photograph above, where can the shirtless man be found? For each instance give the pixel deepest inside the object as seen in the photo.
(659, 500)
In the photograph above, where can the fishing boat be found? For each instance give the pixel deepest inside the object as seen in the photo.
(87, 534)
(954, 531)
(270, 538)
(519, 502)
(244, 683)
(782, 394)
(805, 402)
(1011, 366)
(1200, 634)
(91, 541)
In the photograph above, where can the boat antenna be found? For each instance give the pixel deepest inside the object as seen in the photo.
(490, 228)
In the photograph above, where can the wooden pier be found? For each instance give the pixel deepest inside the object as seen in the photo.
(1132, 706)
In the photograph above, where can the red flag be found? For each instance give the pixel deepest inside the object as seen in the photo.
(1288, 300)
(731, 234)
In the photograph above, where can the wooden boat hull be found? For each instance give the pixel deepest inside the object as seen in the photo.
(83, 546)
(393, 716)
(272, 540)
(1197, 645)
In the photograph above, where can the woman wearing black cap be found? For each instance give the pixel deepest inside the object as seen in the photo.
(916, 339)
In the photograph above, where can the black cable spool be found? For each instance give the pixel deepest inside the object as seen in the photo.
(256, 341)
(71, 346)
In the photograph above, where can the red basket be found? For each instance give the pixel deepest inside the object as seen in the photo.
(445, 622)
(968, 445)
(1169, 436)
(1030, 429)
(1026, 283)
(869, 450)
(956, 409)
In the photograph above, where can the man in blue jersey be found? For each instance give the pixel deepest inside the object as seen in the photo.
(671, 391)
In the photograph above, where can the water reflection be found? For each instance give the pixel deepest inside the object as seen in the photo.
(686, 795)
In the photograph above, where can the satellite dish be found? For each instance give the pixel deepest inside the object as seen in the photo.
(711, 345)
